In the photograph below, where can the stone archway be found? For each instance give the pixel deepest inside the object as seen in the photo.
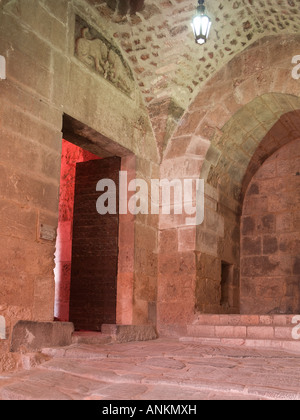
(225, 164)
(240, 91)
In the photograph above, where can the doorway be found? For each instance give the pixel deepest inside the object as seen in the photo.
(107, 244)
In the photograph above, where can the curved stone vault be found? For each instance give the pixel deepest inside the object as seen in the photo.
(158, 42)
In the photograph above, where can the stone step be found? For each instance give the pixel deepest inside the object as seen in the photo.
(130, 333)
(284, 345)
(245, 320)
(272, 331)
(256, 332)
(90, 337)
(119, 333)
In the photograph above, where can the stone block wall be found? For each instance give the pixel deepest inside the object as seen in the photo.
(270, 236)
(145, 251)
(45, 81)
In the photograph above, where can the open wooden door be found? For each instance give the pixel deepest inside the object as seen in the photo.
(93, 295)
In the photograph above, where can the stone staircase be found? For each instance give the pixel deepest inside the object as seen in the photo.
(272, 331)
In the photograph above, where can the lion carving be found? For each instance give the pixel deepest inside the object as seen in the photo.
(118, 74)
(93, 52)
(96, 54)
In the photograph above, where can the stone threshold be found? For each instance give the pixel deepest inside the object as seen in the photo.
(130, 333)
(116, 333)
(30, 337)
(90, 337)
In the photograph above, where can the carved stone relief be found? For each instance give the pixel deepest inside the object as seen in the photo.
(100, 55)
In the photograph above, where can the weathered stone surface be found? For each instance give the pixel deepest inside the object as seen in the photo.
(33, 336)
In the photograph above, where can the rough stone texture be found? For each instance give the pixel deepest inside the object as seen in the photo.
(33, 336)
(128, 333)
(270, 236)
(157, 370)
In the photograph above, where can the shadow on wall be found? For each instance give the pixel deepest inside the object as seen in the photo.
(231, 162)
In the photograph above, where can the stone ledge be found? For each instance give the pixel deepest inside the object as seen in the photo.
(243, 320)
(31, 336)
(129, 333)
(257, 332)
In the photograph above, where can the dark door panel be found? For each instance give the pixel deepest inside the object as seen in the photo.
(93, 296)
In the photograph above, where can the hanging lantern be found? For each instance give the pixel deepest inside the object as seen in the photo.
(201, 24)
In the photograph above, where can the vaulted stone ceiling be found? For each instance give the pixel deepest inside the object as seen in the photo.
(156, 38)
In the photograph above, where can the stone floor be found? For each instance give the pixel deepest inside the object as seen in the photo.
(159, 370)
